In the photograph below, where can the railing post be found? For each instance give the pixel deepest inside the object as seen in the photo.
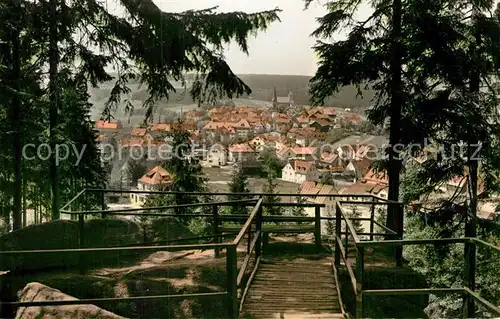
(317, 227)
(360, 271)
(469, 279)
(258, 229)
(215, 228)
(249, 237)
(81, 241)
(338, 230)
(103, 204)
(399, 222)
(346, 243)
(372, 218)
(232, 289)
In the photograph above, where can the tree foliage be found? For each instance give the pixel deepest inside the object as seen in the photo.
(443, 265)
(238, 184)
(270, 188)
(51, 51)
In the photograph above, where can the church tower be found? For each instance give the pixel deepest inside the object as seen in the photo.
(291, 98)
(275, 98)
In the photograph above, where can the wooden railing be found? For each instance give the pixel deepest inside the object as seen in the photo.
(357, 276)
(254, 230)
(237, 284)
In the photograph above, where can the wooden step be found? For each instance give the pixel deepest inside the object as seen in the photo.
(290, 315)
(285, 297)
(301, 262)
(297, 270)
(294, 277)
(293, 289)
(297, 308)
(295, 281)
(292, 298)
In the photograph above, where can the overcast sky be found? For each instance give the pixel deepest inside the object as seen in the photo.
(284, 49)
(286, 46)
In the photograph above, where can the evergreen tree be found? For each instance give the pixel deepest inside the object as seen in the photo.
(372, 55)
(60, 36)
(270, 188)
(238, 184)
(187, 174)
(135, 170)
(297, 210)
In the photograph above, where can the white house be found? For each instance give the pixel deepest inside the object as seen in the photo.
(217, 155)
(154, 180)
(297, 171)
(242, 128)
(259, 143)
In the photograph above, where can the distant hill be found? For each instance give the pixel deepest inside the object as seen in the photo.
(262, 90)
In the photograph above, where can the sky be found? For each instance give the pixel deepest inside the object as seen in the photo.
(285, 48)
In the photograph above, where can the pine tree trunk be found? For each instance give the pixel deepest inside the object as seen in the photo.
(16, 124)
(54, 106)
(394, 167)
(471, 219)
(25, 208)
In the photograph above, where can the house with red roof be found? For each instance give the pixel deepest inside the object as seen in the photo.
(301, 121)
(376, 183)
(242, 153)
(138, 132)
(163, 127)
(108, 125)
(297, 171)
(313, 190)
(304, 153)
(157, 179)
(358, 168)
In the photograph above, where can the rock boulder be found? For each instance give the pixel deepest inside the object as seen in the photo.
(37, 292)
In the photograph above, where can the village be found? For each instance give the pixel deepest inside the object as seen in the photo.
(314, 158)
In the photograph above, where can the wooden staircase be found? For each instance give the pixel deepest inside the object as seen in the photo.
(292, 289)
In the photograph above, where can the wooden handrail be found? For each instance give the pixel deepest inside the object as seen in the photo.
(72, 200)
(124, 210)
(352, 218)
(249, 282)
(246, 261)
(491, 307)
(351, 228)
(117, 191)
(414, 242)
(248, 223)
(89, 250)
(485, 244)
(339, 293)
(387, 229)
(420, 291)
(368, 203)
(268, 218)
(347, 264)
